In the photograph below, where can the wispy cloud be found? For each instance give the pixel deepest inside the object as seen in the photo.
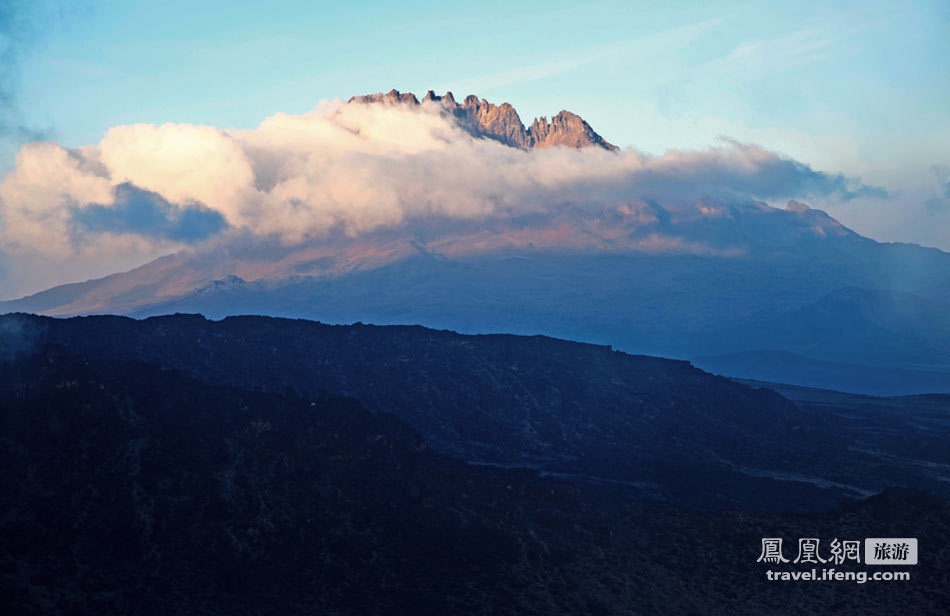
(22, 25)
(754, 65)
(574, 58)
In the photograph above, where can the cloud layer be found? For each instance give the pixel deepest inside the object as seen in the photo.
(349, 169)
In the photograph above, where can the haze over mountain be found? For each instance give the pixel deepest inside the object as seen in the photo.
(388, 209)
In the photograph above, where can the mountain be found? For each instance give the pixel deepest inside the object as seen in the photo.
(844, 299)
(500, 122)
(137, 487)
(639, 265)
(661, 428)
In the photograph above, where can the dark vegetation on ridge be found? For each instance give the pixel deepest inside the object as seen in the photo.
(136, 488)
(661, 428)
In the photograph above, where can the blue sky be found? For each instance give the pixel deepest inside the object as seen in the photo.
(859, 88)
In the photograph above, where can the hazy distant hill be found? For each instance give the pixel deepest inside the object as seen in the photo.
(782, 366)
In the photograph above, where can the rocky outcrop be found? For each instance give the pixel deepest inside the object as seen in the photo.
(567, 129)
(393, 97)
(501, 122)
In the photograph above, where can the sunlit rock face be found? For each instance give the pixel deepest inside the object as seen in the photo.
(501, 122)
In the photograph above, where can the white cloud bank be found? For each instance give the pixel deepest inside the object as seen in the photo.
(351, 168)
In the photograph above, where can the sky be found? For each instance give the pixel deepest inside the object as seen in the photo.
(858, 88)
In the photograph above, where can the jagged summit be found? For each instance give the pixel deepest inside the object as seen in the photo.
(501, 122)
(393, 97)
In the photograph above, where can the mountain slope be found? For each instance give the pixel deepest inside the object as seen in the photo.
(133, 488)
(660, 427)
(750, 259)
(673, 305)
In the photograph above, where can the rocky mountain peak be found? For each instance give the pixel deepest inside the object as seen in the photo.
(567, 129)
(393, 97)
(501, 122)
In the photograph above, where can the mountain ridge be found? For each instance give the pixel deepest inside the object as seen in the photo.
(500, 122)
(597, 292)
(664, 428)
